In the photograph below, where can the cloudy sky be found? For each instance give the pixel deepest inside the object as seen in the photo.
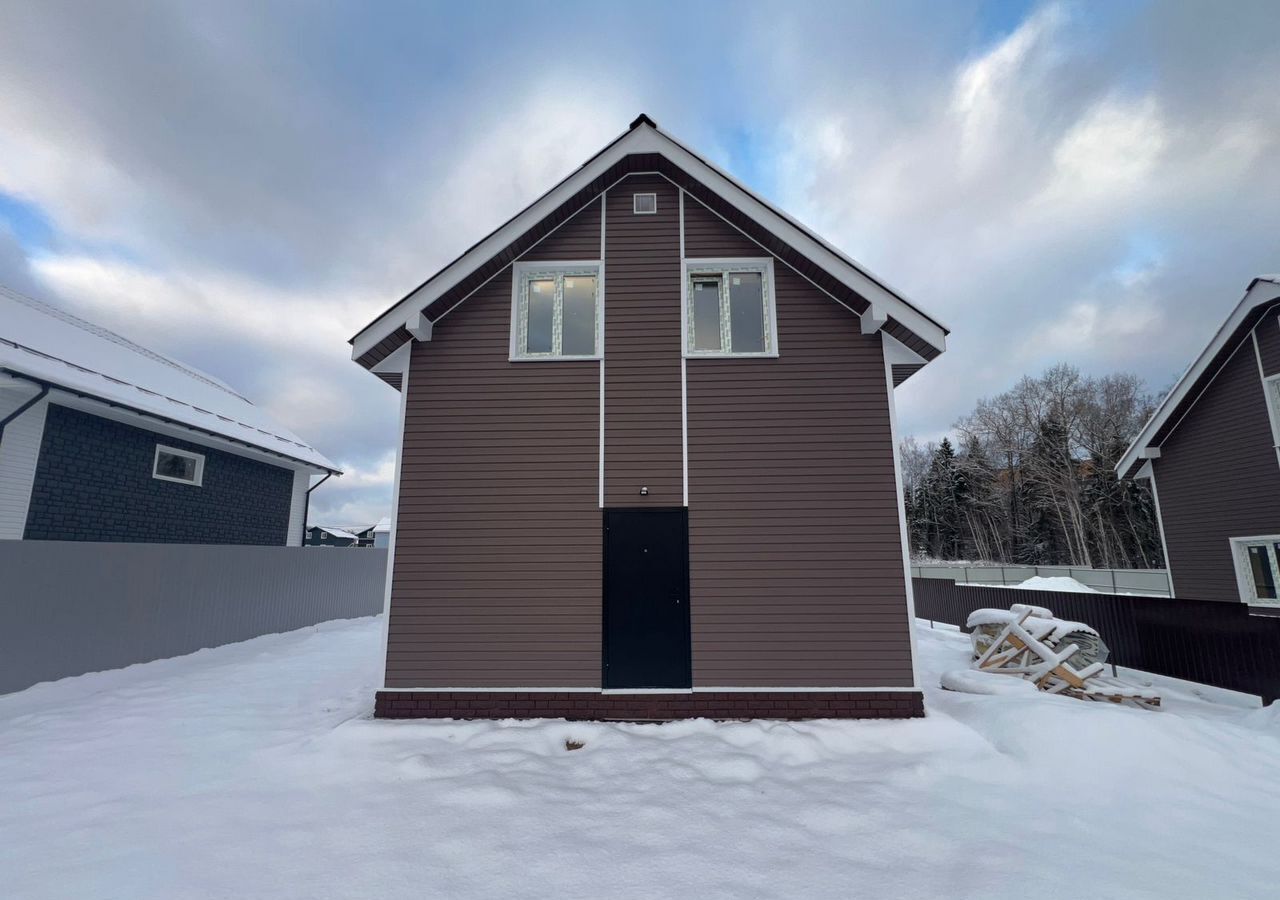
(245, 185)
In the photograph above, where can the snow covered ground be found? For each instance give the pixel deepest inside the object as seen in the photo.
(253, 770)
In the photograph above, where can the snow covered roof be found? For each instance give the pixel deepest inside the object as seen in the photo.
(1261, 292)
(44, 343)
(337, 532)
(383, 526)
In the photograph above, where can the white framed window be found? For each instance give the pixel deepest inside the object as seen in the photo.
(729, 308)
(1257, 562)
(182, 466)
(644, 204)
(556, 311)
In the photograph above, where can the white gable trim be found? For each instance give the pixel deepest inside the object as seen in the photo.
(645, 138)
(1262, 290)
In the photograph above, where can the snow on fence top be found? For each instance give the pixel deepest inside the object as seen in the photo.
(45, 343)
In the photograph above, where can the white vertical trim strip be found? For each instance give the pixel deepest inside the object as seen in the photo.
(1266, 395)
(1164, 545)
(19, 456)
(297, 507)
(603, 206)
(902, 511)
(395, 516)
(684, 367)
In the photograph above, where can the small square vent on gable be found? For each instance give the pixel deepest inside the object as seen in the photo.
(644, 204)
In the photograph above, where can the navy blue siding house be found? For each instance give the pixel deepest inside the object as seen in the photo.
(326, 536)
(104, 440)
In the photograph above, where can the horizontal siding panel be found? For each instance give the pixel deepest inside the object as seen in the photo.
(795, 548)
(1218, 478)
(796, 568)
(497, 508)
(642, 444)
(578, 238)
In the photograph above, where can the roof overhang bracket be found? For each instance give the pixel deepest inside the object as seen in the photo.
(419, 326)
(873, 318)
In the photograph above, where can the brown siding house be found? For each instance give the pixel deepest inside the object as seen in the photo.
(1210, 452)
(647, 464)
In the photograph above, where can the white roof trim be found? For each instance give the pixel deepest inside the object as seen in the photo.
(44, 344)
(645, 138)
(1263, 289)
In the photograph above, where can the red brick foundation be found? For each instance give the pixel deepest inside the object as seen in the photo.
(393, 704)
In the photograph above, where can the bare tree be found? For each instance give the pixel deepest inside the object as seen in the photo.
(1037, 465)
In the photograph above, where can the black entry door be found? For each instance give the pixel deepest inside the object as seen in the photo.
(646, 598)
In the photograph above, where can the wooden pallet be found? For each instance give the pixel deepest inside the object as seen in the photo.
(1018, 652)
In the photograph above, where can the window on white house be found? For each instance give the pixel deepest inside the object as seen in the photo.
(729, 308)
(556, 311)
(183, 466)
(1258, 568)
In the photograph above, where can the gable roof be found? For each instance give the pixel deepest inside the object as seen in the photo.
(336, 532)
(1262, 294)
(645, 147)
(42, 343)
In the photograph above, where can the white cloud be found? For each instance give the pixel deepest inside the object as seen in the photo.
(263, 201)
(380, 474)
(1110, 152)
(1007, 194)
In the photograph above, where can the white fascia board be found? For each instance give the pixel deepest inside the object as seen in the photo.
(646, 139)
(1262, 290)
(419, 326)
(873, 319)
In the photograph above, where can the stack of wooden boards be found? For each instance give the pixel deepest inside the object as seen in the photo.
(1057, 656)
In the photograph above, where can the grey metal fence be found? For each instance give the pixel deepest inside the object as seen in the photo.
(1112, 581)
(67, 608)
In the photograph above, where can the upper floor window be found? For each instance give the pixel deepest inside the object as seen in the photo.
(172, 464)
(556, 311)
(729, 308)
(1258, 568)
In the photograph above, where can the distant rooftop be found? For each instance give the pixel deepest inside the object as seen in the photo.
(337, 532)
(48, 344)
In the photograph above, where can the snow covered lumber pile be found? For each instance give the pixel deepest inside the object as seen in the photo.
(1055, 655)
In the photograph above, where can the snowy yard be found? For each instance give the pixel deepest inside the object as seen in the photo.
(253, 771)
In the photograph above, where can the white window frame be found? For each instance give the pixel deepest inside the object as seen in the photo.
(524, 272)
(198, 481)
(635, 204)
(1244, 571)
(724, 268)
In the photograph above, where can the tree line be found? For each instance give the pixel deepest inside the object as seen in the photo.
(1032, 480)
